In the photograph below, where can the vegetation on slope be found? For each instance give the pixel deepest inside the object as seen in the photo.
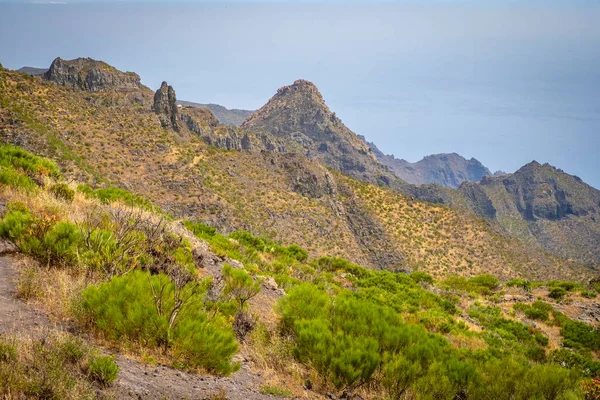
(344, 327)
(113, 138)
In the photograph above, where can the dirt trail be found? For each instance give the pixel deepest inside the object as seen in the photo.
(16, 317)
(136, 380)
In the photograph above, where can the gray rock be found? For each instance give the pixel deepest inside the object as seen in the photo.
(90, 75)
(165, 106)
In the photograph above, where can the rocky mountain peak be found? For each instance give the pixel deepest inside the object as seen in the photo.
(302, 87)
(165, 106)
(298, 114)
(301, 101)
(91, 75)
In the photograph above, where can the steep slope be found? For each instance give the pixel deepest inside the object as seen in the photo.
(233, 117)
(543, 205)
(448, 170)
(299, 114)
(107, 138)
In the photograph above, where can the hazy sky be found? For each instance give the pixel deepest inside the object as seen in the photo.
(505, 82)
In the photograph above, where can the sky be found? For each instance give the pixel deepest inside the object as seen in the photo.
(506, 82)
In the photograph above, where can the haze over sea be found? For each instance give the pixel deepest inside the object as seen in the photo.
(504, 82)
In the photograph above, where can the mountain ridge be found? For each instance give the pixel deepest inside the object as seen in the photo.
(445, 169)
(272, 186)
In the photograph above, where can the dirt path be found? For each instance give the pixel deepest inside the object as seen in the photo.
(136, 380)
(16, 317)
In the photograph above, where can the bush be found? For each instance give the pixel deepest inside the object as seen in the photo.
(488, 281)
(103, 369)
(199, 229)
(557, 292)
(297, 252)
(62, 191)
(520, 283)
(152, 310)
(21, 160)
(62, 243)
(239, 285)
(112, 194)
(419, 276)
(10, 177)
(576, 333)
(538, 310)
(209, 344)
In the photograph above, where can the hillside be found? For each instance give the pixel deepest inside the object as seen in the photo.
(543, 205)
(233, 117)
(102, 295)
(448, 170)
(115, 137)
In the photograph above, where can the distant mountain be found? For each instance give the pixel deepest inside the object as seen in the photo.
(543, 205)
(448, 170)
(32, 71)
(298, 113)
(233, 117)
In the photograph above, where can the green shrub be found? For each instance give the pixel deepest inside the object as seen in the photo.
(538, 310)
(103, 369)
(577, 333)
(276, 391)
(112, 194)
(62, 191)
(488, 281)
(62, 243)
(199, 229)
(297, 252)
(206, 343)
(152, 311)
(21, 160)
(419, 276)
(47, 368)
(10, 177)
(239, 285)
(566, 285)
(520, 283)
(589, 294)
(557, 292)
(573, 360)
(15, 225)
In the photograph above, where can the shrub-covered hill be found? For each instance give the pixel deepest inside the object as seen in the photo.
(114, 137)
(129, 277)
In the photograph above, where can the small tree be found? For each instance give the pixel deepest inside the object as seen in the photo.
(239, 286)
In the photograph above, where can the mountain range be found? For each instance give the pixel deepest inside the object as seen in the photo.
(293, 171)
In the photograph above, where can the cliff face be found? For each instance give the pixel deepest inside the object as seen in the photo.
(90, 75)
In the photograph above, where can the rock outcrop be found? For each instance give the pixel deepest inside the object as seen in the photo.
(165, 106)
(90, 75)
